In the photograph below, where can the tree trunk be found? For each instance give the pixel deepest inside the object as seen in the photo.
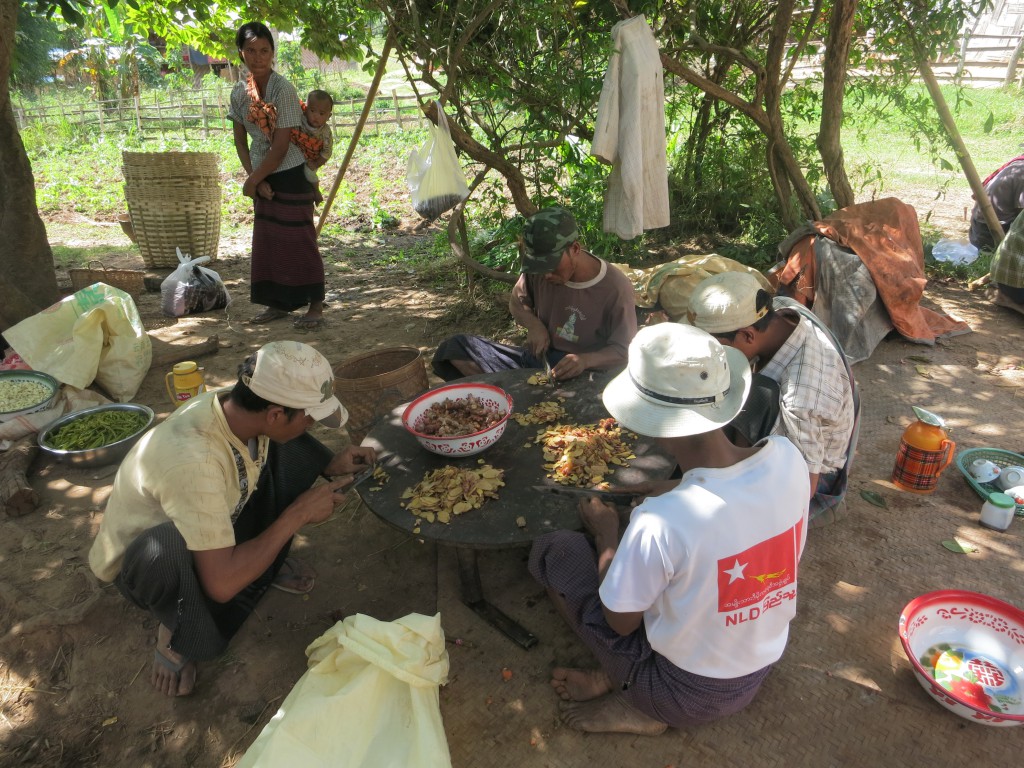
(1011, 67)
(29, 282)
(837, 53)
(955, 139)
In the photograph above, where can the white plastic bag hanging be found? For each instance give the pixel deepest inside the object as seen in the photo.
(192, 288)
(434, 175)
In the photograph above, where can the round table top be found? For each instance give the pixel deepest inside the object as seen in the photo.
(493, 525)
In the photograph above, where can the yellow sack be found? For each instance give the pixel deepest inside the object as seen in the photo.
(369, 698)
(95, 334)
(668, 286)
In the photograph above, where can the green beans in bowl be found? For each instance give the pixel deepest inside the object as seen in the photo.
(98, 436)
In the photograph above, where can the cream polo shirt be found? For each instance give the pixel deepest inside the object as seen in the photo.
(182, 471)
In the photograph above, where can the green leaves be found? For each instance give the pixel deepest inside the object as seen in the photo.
(959, 546)
(876, 499)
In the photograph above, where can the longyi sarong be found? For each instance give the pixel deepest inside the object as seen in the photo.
(287, 271)
(565, 561)
(158, 573)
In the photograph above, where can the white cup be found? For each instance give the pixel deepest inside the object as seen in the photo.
(984, 471)
(1010, 477)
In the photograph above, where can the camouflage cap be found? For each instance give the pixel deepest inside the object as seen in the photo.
(546, 235)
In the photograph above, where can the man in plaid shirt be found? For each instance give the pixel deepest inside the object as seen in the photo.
(803, 387)
(1007, 268)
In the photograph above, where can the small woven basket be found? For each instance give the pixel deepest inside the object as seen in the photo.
(997, 456)
(174, 202)
(128, 280)
(371, 384)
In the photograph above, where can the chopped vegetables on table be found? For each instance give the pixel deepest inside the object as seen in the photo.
(452, 491)
(96, 429)
(581, 455)
(17, 395)
(542, 413)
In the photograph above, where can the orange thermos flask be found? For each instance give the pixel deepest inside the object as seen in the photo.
(924, 452)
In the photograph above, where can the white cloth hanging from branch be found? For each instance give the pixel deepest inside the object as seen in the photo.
(630, 132)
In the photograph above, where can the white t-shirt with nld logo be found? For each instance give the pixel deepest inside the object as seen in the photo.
(713, 563)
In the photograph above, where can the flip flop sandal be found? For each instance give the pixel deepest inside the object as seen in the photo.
(174, 667)
(291, 571)
(268, 315)
(308, 323)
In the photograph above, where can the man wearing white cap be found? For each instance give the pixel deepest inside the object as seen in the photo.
(203, 509)
(687, 612)
(803, 387)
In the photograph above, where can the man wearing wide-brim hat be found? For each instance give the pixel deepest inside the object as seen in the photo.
(203, 509)
(689, 609)
(803, 387)
(579, 311)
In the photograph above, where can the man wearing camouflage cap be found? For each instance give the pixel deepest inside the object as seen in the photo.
(578, 311)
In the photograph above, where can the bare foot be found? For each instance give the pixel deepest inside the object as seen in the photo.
(580, 684)
(610, 714)
(173, 674)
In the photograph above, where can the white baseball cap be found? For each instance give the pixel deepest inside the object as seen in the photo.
(679, 381)
(295, 375)
(725, 302)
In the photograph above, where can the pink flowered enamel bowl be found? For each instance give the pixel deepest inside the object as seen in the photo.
(461, 445)
(967, 650)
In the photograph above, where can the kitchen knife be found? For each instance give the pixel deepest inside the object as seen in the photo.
(612, 497)
(382, 462)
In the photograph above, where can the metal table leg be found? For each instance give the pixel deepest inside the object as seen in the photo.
(473, 596)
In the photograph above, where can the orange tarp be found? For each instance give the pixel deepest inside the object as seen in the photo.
(886, 236)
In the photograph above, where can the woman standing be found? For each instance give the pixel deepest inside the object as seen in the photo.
(287, 270)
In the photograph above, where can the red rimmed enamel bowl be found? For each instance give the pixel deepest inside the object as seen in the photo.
(493, 399)
(967, 651)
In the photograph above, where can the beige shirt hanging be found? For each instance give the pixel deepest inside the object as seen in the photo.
(630, 133)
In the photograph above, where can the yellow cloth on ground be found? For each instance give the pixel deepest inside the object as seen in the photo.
(369, 698)
(668, 286)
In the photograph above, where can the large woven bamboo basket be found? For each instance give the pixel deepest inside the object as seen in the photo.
(143, 166)
(174, 202)
(371, 384)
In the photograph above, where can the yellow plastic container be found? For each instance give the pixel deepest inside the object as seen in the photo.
(184, 382)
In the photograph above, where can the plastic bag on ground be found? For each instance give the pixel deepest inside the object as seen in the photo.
(369, 698)
(434, 175)
(954, 252)
(95, 334)
(192, 288)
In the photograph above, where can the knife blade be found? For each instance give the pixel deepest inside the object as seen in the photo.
(547, 372)
(613, 497)
(382, 461)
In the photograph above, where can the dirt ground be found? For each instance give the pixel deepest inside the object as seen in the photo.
(74, 656)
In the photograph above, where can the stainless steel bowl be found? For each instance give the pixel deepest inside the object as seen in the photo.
(37, 377)
(105, 454)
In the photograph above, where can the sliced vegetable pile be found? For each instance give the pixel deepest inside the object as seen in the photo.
(454, 418)
(452, 491)
(580, 455)
(18, 395)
